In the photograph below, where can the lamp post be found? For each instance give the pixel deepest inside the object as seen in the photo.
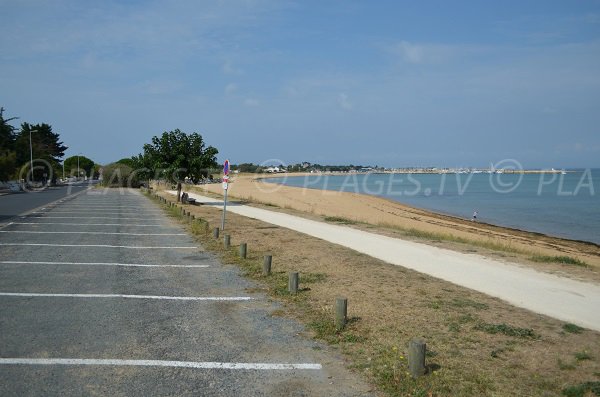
(31, 153)
(78, 172)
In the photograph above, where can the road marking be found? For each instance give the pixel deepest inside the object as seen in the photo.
(94, 217)
(80, 207)
(97, 264)
(83, 224)
(111, 233)
(159, 363)
(94, 245)
(101, 212)
(155, 297)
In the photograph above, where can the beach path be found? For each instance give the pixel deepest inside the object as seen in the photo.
(561, 298)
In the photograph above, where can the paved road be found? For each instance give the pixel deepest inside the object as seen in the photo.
(19, 203)
(544, 293)
(102, 294)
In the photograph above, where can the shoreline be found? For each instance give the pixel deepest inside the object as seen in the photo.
(431, 212)
(387, 213)
(454, 217)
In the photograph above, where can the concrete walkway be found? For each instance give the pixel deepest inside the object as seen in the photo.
(562, 298)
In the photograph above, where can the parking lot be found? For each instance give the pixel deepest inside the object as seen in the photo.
(102, 294)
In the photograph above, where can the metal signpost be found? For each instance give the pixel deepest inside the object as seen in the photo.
(225, 187)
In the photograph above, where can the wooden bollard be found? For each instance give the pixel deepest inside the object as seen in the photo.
(243, 250)
(227, 241)
(267, 265)
(416, 357)
(341, 313)
(293, 283)
(216, 232)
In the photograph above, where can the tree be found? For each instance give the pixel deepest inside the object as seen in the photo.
(86, 166)
(128, 161)
(176, 155)
(8, 157)
(119, 175)
(46, 147)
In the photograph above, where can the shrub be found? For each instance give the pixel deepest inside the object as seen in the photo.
(119, 175)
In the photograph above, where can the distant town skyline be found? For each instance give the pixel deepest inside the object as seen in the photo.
(394, 84)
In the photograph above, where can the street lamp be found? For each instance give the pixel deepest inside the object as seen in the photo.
(31, 152)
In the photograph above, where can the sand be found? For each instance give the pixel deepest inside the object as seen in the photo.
(382, 212)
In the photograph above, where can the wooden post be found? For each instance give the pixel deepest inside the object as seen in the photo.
(416, 357)
(341, 313)
(293, 283)
(216, 232)
(267, 265)
(243, 250)
(227, 241)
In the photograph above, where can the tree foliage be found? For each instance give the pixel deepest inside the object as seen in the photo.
(8, 156)
(119, 175)
(86, 166)
(176, 155)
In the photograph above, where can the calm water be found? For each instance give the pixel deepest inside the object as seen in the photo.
(559, 205)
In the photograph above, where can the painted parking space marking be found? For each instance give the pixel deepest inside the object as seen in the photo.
(96, 246)
(161, 363)
(102, 233)
(123, 296)
(94, 217)
(98, 264)
(52, 211)
(84, 224)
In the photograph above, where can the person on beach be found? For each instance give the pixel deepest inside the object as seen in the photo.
(474, 218)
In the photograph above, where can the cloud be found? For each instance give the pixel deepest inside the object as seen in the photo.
(229, 68)
(411, 52)
(343, 102)
(251, 102)
(230, 88)
(427, 53)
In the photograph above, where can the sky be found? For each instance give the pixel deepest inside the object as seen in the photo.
(388, 83)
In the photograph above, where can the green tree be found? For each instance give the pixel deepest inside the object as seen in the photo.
(128, 161)
(86, 166)
(8, 156)
(46, 147)
(176, 155)
(119, 175)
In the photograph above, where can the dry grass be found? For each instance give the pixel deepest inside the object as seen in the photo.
(477, 345)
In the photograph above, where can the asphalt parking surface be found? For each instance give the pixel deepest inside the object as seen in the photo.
(102, 294)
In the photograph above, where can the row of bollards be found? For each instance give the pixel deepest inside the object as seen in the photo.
(417, 347)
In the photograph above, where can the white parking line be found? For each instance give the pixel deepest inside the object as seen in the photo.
(94, 245)
(97, 264)
(96, 212)
(155, 297)
(83, 224)
(95, 217)
(159, 363)
(94, 207)
(111, 233)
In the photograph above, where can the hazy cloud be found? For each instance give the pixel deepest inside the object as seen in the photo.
(229, 68)
(230, 88)
(343, 101)
(251, 102)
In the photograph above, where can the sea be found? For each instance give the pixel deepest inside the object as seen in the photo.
(564, 205)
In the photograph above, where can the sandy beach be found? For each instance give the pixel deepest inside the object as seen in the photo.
(377, 211)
